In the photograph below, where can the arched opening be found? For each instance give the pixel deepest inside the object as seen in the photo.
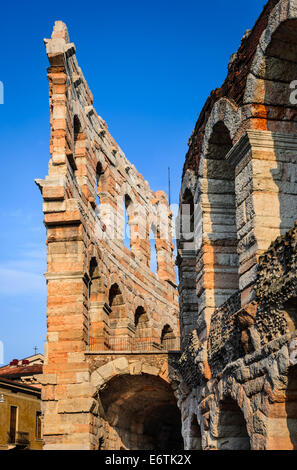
(186, 262)
(280, 68)
(78, 137)
(127, 210)
(195, 442)
(143, 340)
(168, 339)
(187, 219)
(153, 250)
(118, 321)
(219, 220)
(98, 319)
(232, 432)
(140, 414)
(99, 173)
(278, 86)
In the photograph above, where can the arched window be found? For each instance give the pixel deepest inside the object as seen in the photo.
(98, 316)
(186, 262)
(142, 330)
(232, 431)
(127, 209)
(94, 280)
(273, 87)
(168, 339)
(77, 138)
(99, 173)
(120, 332)
(153, 250)
(187, 218)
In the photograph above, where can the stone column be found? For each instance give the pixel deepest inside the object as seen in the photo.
(187, 291)
(266, 197)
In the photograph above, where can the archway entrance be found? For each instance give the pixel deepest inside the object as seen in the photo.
(232, 432)
(140, 413)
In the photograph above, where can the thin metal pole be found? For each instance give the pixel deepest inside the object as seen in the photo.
(169, 188)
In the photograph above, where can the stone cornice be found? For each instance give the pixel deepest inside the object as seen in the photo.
(264, 140)
(64, 275)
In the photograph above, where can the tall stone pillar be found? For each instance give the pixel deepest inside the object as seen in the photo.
(266, 203)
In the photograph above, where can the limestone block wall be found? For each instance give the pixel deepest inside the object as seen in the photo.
(96, 285)
(246, 399)
(239, 348)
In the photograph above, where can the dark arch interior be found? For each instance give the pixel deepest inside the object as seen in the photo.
(99, 173)
(187, 223)
(168, 339)
(195, 434)
(76, 126)
(281, 65)
(142, 330)
(232, 432)
(117, 319)
(141, 414)
(94, 287)
(127, 207)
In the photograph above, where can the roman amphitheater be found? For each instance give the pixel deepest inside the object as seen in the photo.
(140, 360)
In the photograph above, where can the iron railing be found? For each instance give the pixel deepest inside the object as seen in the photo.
(142, 344)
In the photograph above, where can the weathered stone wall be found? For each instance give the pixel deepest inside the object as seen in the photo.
(102, 295)
(237, 370)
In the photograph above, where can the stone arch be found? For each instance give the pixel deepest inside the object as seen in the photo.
(195, 436)
(226, 111)
(186, 259)
(120, 333)
(143, 330)
(231, 432)
(127, 218)
(168, 338)
(99, 186)
(270, 97)
(219, 278)
(187, 219)
(139, 411)
(98, 312)
(153, 238)
(78, 136)
(274, 67)
(122, 366)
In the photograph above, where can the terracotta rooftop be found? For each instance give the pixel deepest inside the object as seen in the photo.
(14, 372)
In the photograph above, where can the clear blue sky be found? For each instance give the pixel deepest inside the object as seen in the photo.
(150, 66)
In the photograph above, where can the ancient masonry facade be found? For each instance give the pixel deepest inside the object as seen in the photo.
(238, 289)
(111, 321)
(114, 377)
